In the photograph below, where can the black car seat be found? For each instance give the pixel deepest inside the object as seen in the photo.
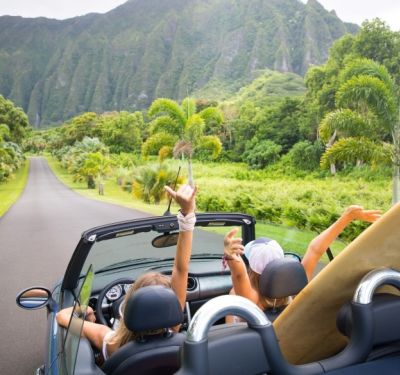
(386, 315)
(281, 278)
(150, 308)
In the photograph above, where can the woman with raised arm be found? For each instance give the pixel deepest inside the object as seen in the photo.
(263, 250)
(104, 338)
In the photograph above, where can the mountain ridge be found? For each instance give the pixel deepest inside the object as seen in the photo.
(125, 58)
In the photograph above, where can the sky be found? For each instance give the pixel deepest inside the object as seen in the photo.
(354, 11)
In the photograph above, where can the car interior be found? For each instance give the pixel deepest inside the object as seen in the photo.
(205, 344)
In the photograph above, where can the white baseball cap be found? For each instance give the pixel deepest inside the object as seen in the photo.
(262, 251)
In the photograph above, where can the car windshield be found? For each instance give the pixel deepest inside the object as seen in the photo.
(138, 248)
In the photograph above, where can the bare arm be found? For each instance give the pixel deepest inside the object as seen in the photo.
(185, 197)
(92, 331)
(320, 244)
(233, 248)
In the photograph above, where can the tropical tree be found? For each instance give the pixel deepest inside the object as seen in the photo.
(149, 182)
(366, 111)
(95, 167)
(182, 125)
(121, 131)
(15, 119)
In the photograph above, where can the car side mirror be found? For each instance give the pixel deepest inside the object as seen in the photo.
(34, 298)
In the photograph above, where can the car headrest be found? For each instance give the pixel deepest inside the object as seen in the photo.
(385, 310)
(152, 307)
(282, 278)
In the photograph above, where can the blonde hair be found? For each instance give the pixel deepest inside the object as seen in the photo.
(123, 334)
(266, 303)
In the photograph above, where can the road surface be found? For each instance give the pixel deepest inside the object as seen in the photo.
(37, 237)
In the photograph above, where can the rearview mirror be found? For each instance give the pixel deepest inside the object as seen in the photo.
(33, 298)
(293, 255)
(165, 240)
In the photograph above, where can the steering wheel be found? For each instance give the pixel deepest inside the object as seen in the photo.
(110, 307)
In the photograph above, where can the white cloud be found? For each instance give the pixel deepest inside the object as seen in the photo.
(59, 9)
(357, 11)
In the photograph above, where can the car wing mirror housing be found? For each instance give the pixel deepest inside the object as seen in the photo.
(35, 298)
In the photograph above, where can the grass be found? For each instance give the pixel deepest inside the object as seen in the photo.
(291, 239)
(112, 191)
(233, 181)
(12, 189)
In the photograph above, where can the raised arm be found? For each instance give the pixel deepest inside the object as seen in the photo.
(185, 197)
(320, 244)
(233, 248)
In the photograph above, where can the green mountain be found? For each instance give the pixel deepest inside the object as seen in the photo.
(150, 48)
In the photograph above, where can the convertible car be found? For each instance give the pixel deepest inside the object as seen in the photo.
(107, 261)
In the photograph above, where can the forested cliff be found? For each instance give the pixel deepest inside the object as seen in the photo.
(150, 48)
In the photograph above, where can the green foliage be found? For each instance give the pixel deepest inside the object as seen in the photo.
(259, 154)
(13, 126)
(346, 123)
(187, 126)
(306, 155)
(95, 166)
(121, 132)
(14, 118)
(149, 182)
(86, 160)
(11, 159)
(364, 93)
(209, 148)
(268, 89)
(153, 145)
(355, 151)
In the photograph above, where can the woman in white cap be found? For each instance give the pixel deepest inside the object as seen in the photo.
(263, 250)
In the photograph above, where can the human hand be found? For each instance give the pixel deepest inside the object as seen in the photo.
(185, 197)
(90, 316)
(233, 247)
(356, 212)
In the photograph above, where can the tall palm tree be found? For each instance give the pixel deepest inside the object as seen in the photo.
(366, 107)
(186, 125)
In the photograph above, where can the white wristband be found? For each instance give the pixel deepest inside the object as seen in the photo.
(186, 223)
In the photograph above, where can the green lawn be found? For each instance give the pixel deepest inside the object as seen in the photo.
(12, 189)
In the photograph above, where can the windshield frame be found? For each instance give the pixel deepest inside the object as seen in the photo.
(160, 224)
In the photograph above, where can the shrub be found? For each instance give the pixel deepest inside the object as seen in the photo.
(212, 203)
(259, 154)
(306, 155)
(149, 181)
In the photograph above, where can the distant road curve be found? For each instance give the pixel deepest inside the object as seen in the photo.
(37, 237)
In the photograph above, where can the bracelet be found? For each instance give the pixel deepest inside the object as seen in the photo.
(186, 223)
(225, 259)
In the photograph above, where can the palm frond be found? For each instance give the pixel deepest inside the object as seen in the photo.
(189, 107)
(194, 128)
(164, 106)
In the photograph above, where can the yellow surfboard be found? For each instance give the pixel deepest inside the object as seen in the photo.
(307, 328)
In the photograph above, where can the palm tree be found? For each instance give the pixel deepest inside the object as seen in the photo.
(185, 125)
(367, 110)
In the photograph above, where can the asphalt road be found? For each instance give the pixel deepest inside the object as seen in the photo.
(37, 237)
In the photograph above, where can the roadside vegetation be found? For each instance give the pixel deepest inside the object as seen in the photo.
(12, 189)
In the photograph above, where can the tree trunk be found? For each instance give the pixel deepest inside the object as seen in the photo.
(190, 173)
(90, 182)
(333, 168)
(101, 188)
(330, 143)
